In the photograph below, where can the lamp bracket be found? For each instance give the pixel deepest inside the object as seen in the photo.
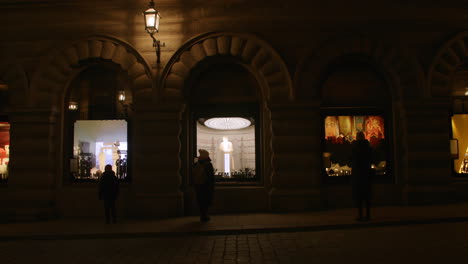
(157, 44)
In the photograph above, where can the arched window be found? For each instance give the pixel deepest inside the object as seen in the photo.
(96, 122)
(354, 99)
(225, 119)
(459, 121)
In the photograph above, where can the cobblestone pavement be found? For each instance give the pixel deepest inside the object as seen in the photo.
(428, 243)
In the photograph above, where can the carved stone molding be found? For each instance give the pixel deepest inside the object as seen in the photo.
(56, 70)
(257, 55)
(451, 55)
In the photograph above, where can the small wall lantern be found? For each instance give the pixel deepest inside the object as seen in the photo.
(72, 106)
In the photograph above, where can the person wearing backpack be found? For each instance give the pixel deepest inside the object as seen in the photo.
(203, 183)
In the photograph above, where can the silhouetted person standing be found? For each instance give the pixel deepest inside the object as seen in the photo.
(203, 182)
(108, 191)
(361, 174)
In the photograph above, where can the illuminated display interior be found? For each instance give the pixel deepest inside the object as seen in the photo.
(4, 150)
(232, 149)
(460, 132)
(98, 143)
(340, 132)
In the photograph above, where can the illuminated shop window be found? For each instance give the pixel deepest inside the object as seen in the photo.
(340, 133)
(459, 144)
(97, 143)
(4, 150)
(96, 113)
(232, 146)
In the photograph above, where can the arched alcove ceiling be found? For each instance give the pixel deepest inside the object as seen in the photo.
(57, 69)
(449, 57)
(404, 75)
(14, 76)
(353, 81)
(257, 55)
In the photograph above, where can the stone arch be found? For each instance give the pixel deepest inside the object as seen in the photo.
(15, 77)
(257, 55)
(403, 73)
(451, 55)
(57, 69)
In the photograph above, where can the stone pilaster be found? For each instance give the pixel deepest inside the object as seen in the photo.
(156, 163)
(428, 159)
(296, 158)
(30, 193)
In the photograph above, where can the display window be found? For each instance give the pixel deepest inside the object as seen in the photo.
(97, 143)
(231, 142)
(339, 135)
(4, 150)
(459, 144)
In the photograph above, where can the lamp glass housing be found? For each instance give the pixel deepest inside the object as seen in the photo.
(121, 96)
(152, 18)
(73, 106)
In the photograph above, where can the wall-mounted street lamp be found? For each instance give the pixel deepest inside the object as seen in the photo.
(152, 18)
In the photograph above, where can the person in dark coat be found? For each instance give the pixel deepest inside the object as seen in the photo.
(203, 183)
(108, 191)
(361, 174)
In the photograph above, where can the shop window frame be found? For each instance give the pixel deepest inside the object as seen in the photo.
(246, 110)
(70, 117)
(454, 112)
(4, 118)
(389, 177)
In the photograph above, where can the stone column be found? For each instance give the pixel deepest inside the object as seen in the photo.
(296, 161)
(156, 162)
(428, 159)
(30, 194)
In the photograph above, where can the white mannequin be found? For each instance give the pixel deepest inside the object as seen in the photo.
(102, 159)
(227, 149)
(115, 156)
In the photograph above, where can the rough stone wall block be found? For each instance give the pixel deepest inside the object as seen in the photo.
(444, 66)
(137, 70)
(61, 64)
(198, 53)
(128, 62)
(108, 49)
(250, 49)
(187, 59)
(275, 79)
(83, 50)
(180, 69)
(71, 55)
(174, 81)
(453, 56)
(224, 43)
(120, 55)
(210, 46)
(260, 59)
(55, 75)
(270, 68)
(95, 47)
(236, 46)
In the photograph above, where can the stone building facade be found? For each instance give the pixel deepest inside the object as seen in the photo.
(285, 64)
